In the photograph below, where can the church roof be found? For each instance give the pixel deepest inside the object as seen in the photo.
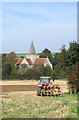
(40, 61)
(21, 59)
(32, 49)
(29, 61)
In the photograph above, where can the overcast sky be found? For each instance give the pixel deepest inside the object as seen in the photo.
(49, 25)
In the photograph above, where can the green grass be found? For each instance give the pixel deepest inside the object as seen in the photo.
(33, 106)
(24, 54)
(53, 54)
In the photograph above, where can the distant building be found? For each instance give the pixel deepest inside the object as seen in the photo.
(22, 61)
(32, 54)
(32, 59)
(43, 61)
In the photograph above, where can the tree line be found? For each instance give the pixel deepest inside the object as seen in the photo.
(65, 65)
(11, 71)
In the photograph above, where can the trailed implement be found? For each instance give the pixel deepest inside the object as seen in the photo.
(45, 88)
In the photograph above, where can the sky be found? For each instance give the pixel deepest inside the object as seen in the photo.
(49, 24)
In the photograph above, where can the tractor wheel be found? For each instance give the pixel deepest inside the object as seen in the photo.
(39, 91)
(60, 94)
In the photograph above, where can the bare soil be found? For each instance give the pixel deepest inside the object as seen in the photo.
(19, 82)
(27, 85)
(10, 88)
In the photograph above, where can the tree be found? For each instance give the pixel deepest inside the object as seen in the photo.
(53, 74)
(37, 71)
(73, 53)
(73, 80)
(22, 68)
(66, 60)
(8, 65)
(11, 59)
(46, 53)
(4, 57)
(55, 60)
(47, 71)
(6, 71)
(61, 63)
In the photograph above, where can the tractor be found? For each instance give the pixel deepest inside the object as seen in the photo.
(46, 88)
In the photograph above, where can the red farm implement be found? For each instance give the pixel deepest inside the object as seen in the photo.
(45, 88)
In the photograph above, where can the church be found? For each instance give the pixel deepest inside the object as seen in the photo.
(33, 59)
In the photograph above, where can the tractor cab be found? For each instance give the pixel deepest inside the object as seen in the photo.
(45, 80)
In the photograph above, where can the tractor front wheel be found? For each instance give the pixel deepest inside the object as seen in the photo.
(39, 91)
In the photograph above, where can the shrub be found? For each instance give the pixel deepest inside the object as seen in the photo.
(73, 80)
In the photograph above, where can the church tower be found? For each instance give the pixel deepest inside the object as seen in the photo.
(32, 54)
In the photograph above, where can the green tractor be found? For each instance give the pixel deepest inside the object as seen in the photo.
(45, 88)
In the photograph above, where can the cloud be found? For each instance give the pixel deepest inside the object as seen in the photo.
(37, 11)
(48, 27)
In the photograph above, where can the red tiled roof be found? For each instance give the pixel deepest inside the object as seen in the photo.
(19, 60)
(40, 61)
(29, 61)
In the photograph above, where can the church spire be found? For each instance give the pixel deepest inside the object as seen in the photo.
(32, 49)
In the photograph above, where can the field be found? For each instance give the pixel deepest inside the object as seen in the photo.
(21, 54)
(24, 54)
(26, 104)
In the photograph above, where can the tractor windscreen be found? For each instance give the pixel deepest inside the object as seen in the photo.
(45, 80)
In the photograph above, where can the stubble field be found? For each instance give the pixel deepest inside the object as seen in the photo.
(26, 104)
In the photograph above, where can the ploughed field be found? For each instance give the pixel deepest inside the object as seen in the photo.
(8, 86)
(20, 100)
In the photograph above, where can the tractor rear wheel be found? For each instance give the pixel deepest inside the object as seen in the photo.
(39, 91)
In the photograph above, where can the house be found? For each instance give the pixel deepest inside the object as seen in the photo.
(24, 62)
